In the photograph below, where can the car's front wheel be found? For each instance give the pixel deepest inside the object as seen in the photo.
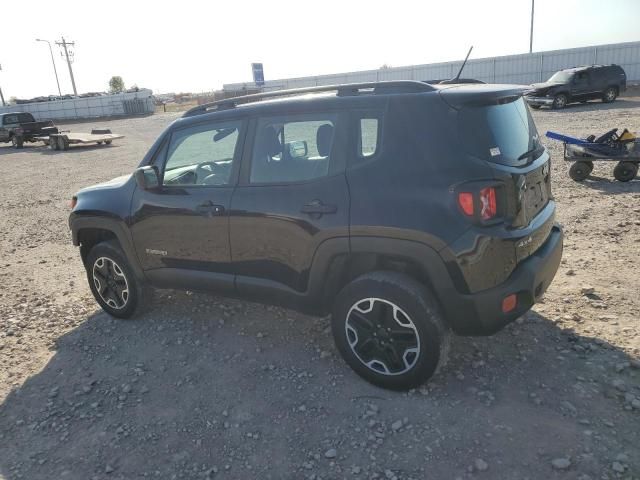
(112, 281)
(388, 328)
(559, 101)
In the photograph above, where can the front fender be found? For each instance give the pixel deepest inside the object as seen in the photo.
(78, 222)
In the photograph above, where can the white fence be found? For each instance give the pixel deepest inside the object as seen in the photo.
(520, 69)
(139, 102)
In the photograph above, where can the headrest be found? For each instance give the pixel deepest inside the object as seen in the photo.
(324, 139)
(269, 142)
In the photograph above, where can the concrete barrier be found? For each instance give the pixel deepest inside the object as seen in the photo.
(140, 102)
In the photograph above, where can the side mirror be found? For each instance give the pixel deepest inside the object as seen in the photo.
(147, 177)
(298, 148)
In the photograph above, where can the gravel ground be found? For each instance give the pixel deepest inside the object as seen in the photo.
(205, 387)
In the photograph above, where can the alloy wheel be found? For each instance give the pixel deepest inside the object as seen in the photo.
(382, 336)
(110, 282)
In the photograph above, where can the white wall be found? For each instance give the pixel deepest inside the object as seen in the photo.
(105, 106)
(521, 69)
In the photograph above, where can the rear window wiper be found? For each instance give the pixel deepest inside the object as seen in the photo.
(531, 152)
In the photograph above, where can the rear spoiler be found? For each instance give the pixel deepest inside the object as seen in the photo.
(458, 96)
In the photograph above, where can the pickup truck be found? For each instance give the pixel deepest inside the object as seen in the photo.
(20, 127)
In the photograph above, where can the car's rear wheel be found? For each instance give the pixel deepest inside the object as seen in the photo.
(389, 329)
(112, 281)
(559, 101)
(625, 171)
(535, 107)
(580, 170)
(609, 95)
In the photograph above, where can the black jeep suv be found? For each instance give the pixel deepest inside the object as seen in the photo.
(579, 84)
(405, 210)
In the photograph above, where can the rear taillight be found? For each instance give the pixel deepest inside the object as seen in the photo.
(465, 200)
(73, 202)
(488, 206)
(480, 203)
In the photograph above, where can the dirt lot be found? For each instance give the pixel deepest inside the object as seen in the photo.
(204, 387)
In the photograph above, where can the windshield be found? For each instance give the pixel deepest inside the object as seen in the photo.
(561, 77)
(503, 134)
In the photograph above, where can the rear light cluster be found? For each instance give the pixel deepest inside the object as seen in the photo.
(482, 202)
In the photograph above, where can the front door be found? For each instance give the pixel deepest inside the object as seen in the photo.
(292, 196)
(184, 224)
(9, 122)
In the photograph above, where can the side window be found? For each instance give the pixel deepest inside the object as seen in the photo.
(202, 155)
(10, 119)
(293, 148)
(25, 118)
(368, 138)
(582, 78)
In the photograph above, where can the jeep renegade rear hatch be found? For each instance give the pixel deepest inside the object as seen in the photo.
(501, 133)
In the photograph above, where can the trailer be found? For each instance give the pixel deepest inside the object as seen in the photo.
(62, 140)
(623, 148)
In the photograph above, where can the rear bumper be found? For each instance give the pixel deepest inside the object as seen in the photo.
(481, 313)
(540, 101)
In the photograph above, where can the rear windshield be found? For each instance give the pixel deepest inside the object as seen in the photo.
(503, 134)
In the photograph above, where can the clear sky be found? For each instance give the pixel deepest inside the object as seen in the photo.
(199, 45)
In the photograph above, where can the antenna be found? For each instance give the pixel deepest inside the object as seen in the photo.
(457, 77)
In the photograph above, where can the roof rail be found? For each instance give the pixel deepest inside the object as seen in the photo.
(347, 89)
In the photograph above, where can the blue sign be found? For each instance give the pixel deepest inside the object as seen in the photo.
(258, 74)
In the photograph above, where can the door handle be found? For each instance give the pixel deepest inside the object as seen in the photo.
(209, 208)
(317, 207)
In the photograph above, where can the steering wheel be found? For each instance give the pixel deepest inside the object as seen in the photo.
(204, 170)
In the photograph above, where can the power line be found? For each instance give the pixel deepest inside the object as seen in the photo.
(64, 45)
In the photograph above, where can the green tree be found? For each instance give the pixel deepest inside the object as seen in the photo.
(116, 84)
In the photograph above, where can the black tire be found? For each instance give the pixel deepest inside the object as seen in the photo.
(53, 143)
(580, 170)
(609, 95)
(63, 143)
(387, 296)
(535, 107)
(99, 143)
(17, 141)
(625, 171)
(101, 270)
(108, 142)
(559, 101)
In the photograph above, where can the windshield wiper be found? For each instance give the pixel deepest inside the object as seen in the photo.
(531, 152)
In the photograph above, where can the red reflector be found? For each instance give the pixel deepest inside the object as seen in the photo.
(509, 303)
(488, 203)
(465, 200)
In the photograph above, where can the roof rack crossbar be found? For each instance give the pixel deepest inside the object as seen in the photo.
(397, 86)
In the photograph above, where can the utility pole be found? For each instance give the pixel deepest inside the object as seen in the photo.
(54, 64)
(531, 35)
(2, 96)
(64, 44)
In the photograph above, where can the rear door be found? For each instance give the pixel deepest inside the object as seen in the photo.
(184, 224)
(292, 196)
